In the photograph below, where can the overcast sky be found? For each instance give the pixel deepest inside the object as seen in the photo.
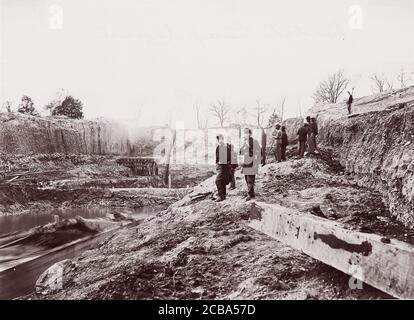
(149, 61)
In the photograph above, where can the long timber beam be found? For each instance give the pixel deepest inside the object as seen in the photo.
(385, 265)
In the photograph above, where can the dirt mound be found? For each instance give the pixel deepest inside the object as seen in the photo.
(201, 249)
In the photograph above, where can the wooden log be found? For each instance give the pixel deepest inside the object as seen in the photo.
(367, 257)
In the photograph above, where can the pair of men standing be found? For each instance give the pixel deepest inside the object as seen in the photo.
(226, 163)
(281, 142)
(313, 132)
(307, 137)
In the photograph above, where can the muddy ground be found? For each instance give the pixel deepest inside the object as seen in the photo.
(201, 249)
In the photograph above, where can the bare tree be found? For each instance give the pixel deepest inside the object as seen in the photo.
(282, 108)
(196, 107)
(276, 117)
(331, 89)
(204, 124)
(7, 105)
(259, 113)
(241, 115)
(220, 110)
(201, 123)
(381, 83)
(404, 77)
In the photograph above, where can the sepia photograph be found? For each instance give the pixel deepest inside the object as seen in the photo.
(206, 157)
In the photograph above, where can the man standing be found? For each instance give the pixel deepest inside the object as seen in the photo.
(308, 145)
(277, 135)
(303, 134)
(313, 128)
(251, 153)
(285, 143)
(233, 166)
(223, 159)
(349, 102)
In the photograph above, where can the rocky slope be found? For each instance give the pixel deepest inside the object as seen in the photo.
(25, 134)
(375, 145)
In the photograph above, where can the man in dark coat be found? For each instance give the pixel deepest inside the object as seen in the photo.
(285, 143)
(223, 162)
(233, 167)
(349, 102)
(277, 135)
(251, 154)
(313, 129)
(303, 135)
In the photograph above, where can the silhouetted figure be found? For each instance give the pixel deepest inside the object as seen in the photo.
(251, 153)
(285, 143)
(303, 135)
(277, 135)
(233, 167)
(349, 102)
(223, 161)
(313, 129)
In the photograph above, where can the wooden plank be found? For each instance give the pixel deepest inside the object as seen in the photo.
(11, 180)
(386, 266)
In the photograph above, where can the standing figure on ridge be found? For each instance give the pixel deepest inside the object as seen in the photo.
(285, 143)
(303, 135)
(233, 166)
(313, 129)
(277, 135)
(223, 162)
(349, 102)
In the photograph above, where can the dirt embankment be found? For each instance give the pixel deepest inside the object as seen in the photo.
(25, 134)
(376, 146)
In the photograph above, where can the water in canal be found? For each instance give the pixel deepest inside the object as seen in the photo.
(21, 264)
(22, 222)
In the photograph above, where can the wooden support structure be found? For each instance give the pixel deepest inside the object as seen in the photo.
(385, 264)
(140, 166)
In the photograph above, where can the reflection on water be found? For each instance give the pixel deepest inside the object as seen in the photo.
(23, 222)
(21, 265)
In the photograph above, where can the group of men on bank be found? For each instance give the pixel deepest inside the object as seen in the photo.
(306, 139)
(251, 157)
